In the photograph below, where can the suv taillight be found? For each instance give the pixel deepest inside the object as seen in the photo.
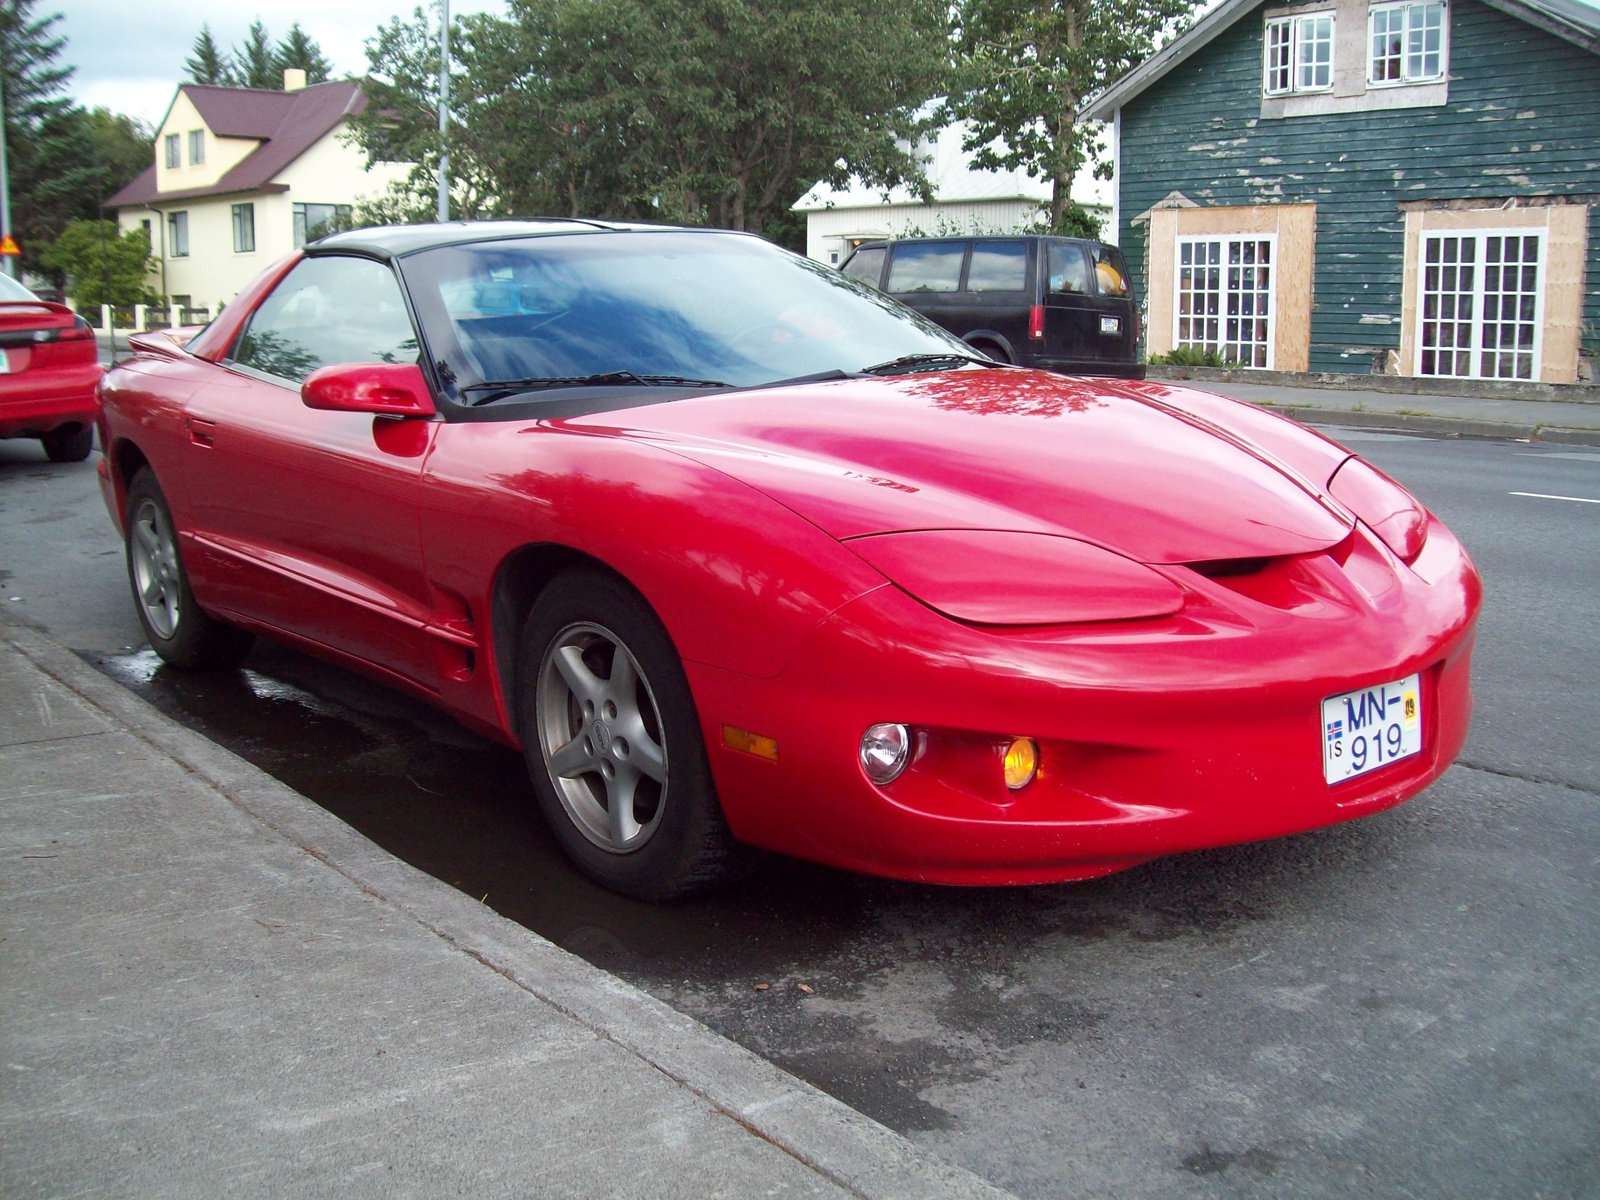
(1036, 321)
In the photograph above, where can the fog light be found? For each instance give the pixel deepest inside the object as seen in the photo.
(1022, 763)
(885, 750)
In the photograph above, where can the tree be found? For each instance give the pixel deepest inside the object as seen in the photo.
(209, 65)
(90, 252)
(1026, 66)
(49, 152)
(401, 123)
(297, 49)
(714, 112)
(255, 65)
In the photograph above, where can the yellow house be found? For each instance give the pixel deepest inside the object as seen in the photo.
(242, 177)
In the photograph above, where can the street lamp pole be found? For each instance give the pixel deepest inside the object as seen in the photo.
(444, 110)
(9, 260)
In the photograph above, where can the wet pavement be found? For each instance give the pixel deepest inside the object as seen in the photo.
(1407, 1004)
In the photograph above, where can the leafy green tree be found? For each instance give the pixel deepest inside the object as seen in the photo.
(208, 64)
(255, 65)
(49, 152)
(401, 123)
(297, 49)
(717, 112)
(90, 252)
(1027, 65)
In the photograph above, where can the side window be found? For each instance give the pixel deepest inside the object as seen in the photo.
(926, 267)
(327, 311)
(866, 264)
(998, 267)
(1110, 271)
(1069, 270)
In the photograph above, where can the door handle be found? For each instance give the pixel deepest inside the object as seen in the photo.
(202, 433)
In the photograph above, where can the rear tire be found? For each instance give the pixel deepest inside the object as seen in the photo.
(65, 446)
(179, 632)
(613, 744)
(992, 350)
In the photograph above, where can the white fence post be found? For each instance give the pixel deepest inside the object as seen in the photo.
(139, 317)
(105, 318)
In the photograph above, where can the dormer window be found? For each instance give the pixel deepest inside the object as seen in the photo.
(1406, 43)
(197, 147)
(1299, 54)
(174, 151)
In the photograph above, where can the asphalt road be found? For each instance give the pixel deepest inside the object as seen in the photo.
(1406, 1005)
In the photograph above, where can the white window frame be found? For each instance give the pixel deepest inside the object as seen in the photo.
(244, 222)
(1271, 318)
(1408, 32)
(178, 234)
(1293, 30)
(197, 147)
(173, 148)
(1476, 347)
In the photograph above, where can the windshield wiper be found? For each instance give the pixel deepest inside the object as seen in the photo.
(924, 362)
(498, 389)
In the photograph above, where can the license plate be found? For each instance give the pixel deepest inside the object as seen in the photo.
(1371, 728)
(1110, 324)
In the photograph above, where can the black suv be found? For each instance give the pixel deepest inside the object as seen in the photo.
(1064, 304)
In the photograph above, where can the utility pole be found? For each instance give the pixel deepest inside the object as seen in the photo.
(444, 110)
(9, 260)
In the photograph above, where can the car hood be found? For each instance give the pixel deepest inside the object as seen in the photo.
(1005, 450)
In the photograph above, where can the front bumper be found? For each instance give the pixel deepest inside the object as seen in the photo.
(1155, 736)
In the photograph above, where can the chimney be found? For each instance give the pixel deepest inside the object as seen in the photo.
(294, 79)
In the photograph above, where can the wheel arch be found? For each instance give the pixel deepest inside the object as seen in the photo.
(522, 576)
(126, 459)
(980, 337)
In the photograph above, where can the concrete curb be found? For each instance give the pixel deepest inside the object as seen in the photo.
(848, 1148)
(1405, 385)
(1437, 426)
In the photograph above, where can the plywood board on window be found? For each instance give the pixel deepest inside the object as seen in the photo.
(1295, 226)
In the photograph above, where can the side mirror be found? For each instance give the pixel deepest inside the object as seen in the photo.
(382, 389)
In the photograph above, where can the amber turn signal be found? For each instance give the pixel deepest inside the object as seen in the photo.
(1021, 763)
(750, 743)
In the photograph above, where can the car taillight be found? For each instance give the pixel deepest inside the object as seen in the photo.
(1036, 321)
(79, 331)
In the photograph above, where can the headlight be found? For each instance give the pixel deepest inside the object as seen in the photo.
(1383, 506)
(885, 750)
(993, 577)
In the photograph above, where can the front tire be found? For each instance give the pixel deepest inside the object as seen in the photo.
(178, 631)
(613, 744)
(68, 445)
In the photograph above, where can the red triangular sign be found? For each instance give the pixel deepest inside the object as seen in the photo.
(8, 245)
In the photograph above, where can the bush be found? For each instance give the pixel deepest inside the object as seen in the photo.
(93, 253)
(1190, 356)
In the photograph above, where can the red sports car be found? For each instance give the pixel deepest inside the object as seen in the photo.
(743, 554)
(49, 367)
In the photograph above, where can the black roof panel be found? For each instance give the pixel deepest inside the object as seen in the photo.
(397, 241)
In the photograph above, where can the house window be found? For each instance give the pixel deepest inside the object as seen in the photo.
(197, 147)
(1481, 296)
(1299, 54)
(174, 151)
(1224, 301)
(178, 235)
(1407, 43)
(312, 221)
(244, 228)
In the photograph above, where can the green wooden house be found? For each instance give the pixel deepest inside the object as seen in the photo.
(1362, 185)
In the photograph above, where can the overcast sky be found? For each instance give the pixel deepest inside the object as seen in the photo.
(129, 56)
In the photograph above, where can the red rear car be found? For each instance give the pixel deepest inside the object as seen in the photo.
(741, 553)
(49, 367)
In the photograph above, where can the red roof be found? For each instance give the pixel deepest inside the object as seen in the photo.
(287, 124)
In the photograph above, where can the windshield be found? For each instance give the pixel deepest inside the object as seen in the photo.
(685, 305)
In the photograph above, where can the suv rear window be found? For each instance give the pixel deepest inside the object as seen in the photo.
(866, 265)
(998, 267)
(927, 267)
(1069, 272)
(1110, 270)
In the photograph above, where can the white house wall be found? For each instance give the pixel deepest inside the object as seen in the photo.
(831, 231)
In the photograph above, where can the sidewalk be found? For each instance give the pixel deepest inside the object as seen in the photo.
(209, 986)
(1449, 416)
